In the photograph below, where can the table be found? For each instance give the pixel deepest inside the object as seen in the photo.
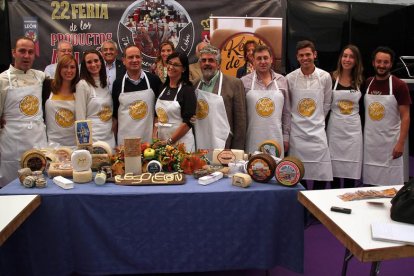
(354, 230)
(115, 229)
(14, 210)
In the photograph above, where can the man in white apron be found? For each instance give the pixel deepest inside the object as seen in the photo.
(268, 103)
(20, 109)
(221, 106)
(64, 47)
(134, 97)
(310, 91)
(387, 121)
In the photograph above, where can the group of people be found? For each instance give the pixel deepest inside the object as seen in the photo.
(213, 110)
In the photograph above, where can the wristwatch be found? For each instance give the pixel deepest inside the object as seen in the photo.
(169, 141)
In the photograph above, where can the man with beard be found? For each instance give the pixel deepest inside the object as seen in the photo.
(268, 103)
(310, 90)
(64, 47)
(221, 106)
(114, 67)
(387, 121)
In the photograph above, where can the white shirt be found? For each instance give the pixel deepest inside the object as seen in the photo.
(111, 74)
(50, 70)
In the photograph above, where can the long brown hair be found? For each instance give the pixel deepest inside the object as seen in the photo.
(357, 70)
(86, 75)
(159, 58)
(57, 81)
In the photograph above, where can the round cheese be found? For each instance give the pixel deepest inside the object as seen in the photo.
(154, 166)
(81, 160)
(29, 181)
(261, 167)
(63, 154)
(271, 147)
(82, 176)
(33, 159)
(289, 171)
(101, 147)
(100, 178)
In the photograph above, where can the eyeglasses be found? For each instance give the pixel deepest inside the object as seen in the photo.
(209, 60)
(174, 64)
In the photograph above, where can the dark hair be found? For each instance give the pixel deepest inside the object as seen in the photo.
(22, 38)
(185, 76)
(386, 50)
(251, 41)
(357, 70)
(85, 75)
(262, 48)
(57, 81)
(305, 44)
(167, 42)
(130, 46)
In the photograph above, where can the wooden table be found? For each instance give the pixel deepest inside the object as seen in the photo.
(354, 230)
(14, 210)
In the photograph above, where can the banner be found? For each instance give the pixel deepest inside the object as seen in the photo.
(145, 23)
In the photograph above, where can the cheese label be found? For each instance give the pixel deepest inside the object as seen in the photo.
(265, 107)
(105, 114)
(202, 109)
(138, 110)
(376, 111)
(287, 173)
(259, 170)
(64, 118)
(132, 147)
(226, 156)
(345, 107)
(162, 115)
(83, 132)
(29, 105)
(306, 107)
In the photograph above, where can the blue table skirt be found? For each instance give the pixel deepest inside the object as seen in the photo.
(115, 229)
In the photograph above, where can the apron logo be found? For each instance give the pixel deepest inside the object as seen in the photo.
(105, 114)
(64, 118)
(202, 109)
(265, 107)
(306, 107)
(29, 105)
(162, 115)
(346, 107)
(376, 111)
(138, 110)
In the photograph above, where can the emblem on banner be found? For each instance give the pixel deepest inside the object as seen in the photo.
(64, 118)
(376, 111)
(265, 107)
(202, 109)
(306, 107)
(138, 110)
(31, 31)
(162, 115)
(147, 24)
(106, 113)
(346, 107)
(29, 105)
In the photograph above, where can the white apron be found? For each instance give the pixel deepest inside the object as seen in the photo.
(24, 128)
(169, 120)
(381, 133)
(136, 113)
(345, 134)
(100, 110)
(308, 139)
(264, 117)
(212, 127)
(60, 121)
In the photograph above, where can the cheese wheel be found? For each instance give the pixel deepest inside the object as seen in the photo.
(82, 176)
(33, 159)
(101, 147)
(271, 147)
(225, 156)
(289, 171)
(99, 160)
(81, 160)
(261, 167)
(63, 154)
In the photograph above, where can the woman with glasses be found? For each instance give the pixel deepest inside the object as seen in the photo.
(93, 98)
(176, 104)
(159, 68)
(344, 129)
(60, 107)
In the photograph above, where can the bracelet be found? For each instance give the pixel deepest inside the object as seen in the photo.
(169, 141)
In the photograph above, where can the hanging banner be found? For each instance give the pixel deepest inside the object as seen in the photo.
(145, 23)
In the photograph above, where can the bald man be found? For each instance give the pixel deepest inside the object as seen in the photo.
(195, 70)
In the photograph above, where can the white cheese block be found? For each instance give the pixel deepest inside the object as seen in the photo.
(82, 177)
(63, 182)
(81, 160)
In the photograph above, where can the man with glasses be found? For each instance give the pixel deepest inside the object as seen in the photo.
(268, 103)
(221, 106)
(134, 95)
(64, 47)
(114, 67)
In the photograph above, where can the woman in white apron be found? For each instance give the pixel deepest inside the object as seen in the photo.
(264, 116)
(344, 126)
(93, 98)
(176, 104)
(60, 107)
